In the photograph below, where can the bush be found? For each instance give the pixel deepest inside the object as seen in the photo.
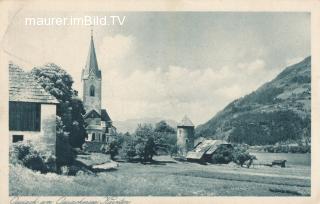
(113, 149)
(24, 153)
(241, 155)
(18, 151)
(34, 161)
(223, 155)
(173, 150)
(128, 150)
(287, 149)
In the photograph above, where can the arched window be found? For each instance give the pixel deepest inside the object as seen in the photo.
(92, 90)
(93, 137)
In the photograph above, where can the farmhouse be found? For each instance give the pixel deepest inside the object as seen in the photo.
(205, 149)
(32, 111)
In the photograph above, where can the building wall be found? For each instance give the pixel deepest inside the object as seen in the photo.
(45, 139)
(97, 137)
(185, 139)
(92, 102)
(93, 121)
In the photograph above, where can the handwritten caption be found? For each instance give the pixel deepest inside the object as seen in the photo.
(66, 200)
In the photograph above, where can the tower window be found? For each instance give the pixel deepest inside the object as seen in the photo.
(92, 90)
(93, 137)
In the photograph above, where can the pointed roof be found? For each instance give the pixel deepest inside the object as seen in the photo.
(105, 116)
(23, 87)
(185, 122)
(92, 114)
(92, 63)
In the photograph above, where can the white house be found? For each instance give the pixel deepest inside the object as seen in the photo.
(32, 111)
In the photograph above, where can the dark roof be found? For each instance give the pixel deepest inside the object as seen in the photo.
(105, 116)
(185, 122)
(23, 87)
(92, 114)
(92, 63)
(205, 147)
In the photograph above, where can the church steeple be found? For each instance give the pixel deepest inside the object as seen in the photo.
(91, 68)
(91, 78)
(99, 126)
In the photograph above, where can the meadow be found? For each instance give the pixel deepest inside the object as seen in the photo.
(167, 177)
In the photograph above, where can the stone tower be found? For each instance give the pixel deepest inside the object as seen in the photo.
(91, 78)
(185, 136)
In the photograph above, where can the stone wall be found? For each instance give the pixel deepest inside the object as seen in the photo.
(185, 139)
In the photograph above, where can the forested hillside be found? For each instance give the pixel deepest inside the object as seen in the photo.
(278, 111)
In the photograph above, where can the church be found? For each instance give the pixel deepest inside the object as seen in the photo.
(99, 124)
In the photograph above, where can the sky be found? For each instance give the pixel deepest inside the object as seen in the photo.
(167, 64)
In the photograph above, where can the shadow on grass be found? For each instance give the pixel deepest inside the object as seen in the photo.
(103, 170)
(152, 162)
(80, 166)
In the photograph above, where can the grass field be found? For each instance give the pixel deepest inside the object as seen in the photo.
(167, 178)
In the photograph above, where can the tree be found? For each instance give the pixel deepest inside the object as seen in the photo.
(145, 145)
(77, 129)
(64, 153)
(127, 150)
(162, 126)
(147, 141)
(165, 137)
(70, 109)
(240, 155)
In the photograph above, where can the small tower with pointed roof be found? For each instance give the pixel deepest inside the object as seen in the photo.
(185, 136)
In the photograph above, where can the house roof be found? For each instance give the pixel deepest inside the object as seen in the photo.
(23, 87)
(91, 67)
(105, 116)
(185, 122)
(205, 147)
(92, 114)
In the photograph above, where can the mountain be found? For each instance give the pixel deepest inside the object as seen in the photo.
(130, 125)
(278, 111)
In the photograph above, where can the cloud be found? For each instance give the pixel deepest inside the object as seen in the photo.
(175, 91)
(114, 52)
(156, 73)
(133, 90)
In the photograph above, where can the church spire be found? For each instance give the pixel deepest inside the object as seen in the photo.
(91, 67)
